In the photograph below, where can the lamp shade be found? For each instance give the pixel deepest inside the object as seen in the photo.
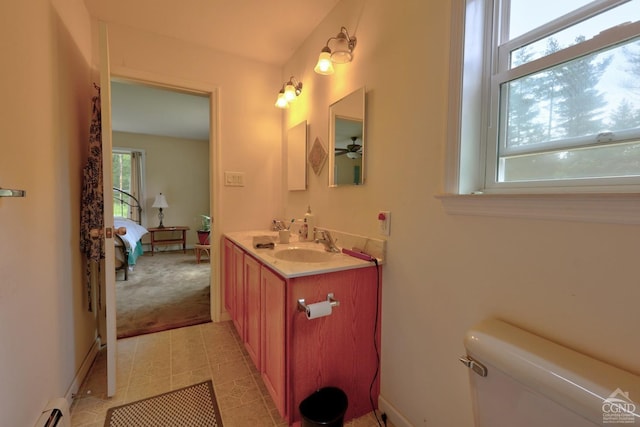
(290, 92)
(324, 65)
(341, 52)
(160, 202)
(282, 102)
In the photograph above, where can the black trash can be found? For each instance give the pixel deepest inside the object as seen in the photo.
(325, 407)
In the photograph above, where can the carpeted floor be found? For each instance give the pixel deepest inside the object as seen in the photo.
(165, 291)
(194, 406)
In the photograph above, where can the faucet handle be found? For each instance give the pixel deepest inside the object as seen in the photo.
(316, 232)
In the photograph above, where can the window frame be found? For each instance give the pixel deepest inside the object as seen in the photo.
(465, 191)
(140, 191)
(502, 74)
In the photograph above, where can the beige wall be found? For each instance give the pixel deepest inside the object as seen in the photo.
(45, 329)
(248, 138)
(573, 282)
(178, 168)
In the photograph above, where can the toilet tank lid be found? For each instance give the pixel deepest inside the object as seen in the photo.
(573, 380)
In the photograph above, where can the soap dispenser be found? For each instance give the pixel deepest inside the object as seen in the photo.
(310, 222)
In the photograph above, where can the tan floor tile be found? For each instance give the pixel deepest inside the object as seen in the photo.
(212, 329)
(152, 351)
(190, 377)
(192, 334)
(188, 362)
(221, 339)
(253, 414)
(127, 345)
(153, 364)
(226, 354)
(238, 392)
(154, 387)
(229, 371)
(149, 344)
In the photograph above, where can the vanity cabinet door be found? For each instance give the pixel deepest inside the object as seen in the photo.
(273, 338)
(229, 279)
(252, 309)
(238, 283)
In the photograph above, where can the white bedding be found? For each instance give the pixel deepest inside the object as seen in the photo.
(134, 231)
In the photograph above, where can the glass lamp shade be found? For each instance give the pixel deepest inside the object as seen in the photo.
(282, 102)
(353, 155)
(341, 56)
(341, 52)
(290, 92)
(324, 65)
(160, 202)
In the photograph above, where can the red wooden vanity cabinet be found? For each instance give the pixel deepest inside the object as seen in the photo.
(295, 355)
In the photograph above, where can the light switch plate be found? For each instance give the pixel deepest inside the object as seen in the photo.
(234, 179)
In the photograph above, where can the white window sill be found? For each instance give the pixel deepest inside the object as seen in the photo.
(613, 208)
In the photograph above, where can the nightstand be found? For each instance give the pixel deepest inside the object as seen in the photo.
(168, 236)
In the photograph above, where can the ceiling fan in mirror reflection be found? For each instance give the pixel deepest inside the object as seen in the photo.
(353, 150)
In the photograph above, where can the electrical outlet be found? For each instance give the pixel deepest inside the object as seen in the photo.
(384, 222)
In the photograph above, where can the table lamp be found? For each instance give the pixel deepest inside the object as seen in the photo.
(160, 202)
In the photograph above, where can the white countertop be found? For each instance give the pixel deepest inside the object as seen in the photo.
(290, 269)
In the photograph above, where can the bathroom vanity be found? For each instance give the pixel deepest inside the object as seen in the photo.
(296, 355)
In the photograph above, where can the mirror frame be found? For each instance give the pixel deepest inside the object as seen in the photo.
(297, 137)
(336, 113)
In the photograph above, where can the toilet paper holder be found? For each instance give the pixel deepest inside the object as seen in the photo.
(334, 303)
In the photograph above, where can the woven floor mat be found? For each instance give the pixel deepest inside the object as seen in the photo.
(193, 406)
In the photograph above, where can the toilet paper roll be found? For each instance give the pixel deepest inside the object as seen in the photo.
(319, 309)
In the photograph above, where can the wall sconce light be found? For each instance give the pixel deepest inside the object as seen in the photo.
(160, 202)
(338, 50)
(289, 92)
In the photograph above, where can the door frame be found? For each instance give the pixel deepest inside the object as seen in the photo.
(177, 84)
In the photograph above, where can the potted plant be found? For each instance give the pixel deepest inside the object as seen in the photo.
(205, 230)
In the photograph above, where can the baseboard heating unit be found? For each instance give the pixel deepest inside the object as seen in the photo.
(55, 414)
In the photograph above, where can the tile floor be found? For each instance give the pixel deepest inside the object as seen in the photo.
(156, 363)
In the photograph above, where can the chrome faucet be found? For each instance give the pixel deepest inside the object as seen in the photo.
(277, 225)
(326, 239)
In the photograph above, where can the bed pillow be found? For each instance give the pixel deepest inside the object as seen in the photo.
(134, 230)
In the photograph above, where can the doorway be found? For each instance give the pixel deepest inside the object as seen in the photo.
(169, 129)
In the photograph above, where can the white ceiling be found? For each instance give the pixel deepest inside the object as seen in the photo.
(265, 30)
(150, 110)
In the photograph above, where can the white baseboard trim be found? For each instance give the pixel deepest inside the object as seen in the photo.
(83, 371)
(396, 418)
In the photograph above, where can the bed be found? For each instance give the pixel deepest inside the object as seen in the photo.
(128, 230)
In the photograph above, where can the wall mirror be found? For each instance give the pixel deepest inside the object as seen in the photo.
(297, 157)
(346, 140)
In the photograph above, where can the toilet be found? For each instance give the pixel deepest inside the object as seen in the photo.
(518, 379)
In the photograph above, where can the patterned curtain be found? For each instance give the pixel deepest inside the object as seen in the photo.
(92, 204)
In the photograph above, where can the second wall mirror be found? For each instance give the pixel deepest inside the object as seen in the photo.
(346, 140)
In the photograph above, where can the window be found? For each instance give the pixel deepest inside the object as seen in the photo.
(128, 173)
(550, 97)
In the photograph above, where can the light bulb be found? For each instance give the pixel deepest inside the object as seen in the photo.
(281, 102)
(290, 92)
(324, 65)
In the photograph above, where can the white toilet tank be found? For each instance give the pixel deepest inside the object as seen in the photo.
(533, 382)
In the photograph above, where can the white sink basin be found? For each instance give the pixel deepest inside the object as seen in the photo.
(303, 255)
